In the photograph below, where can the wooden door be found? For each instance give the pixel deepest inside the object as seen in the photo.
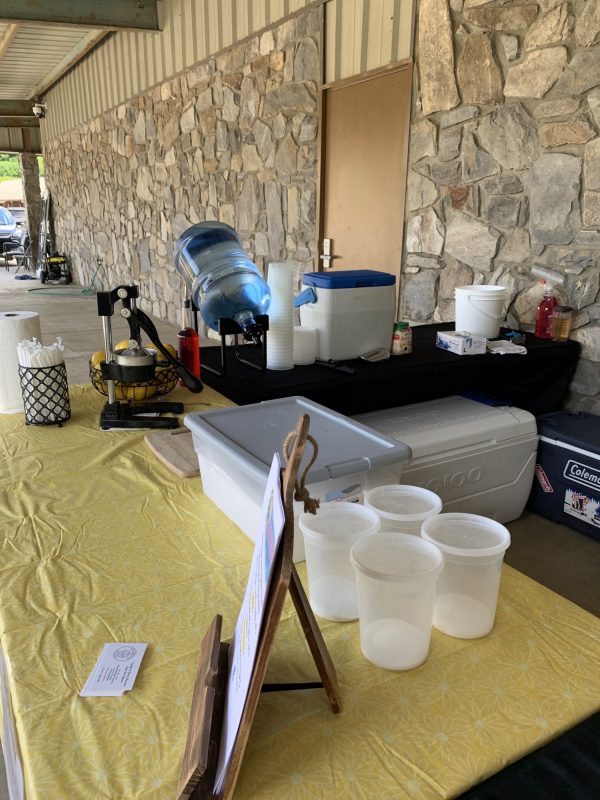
(365, 124)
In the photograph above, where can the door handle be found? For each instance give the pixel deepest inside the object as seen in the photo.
(327, 255)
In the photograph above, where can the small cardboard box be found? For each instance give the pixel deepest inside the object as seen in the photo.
(461, 342)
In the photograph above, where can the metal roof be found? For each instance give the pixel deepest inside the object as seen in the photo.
(37, 55)
(40, 41)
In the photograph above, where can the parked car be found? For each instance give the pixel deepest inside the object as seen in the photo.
(19, 215)
(8, 229)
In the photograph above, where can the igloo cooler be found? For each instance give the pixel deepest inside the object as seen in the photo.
(566, 487)
(478, 458)
(235, 448)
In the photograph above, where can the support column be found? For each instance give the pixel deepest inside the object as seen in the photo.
(30, 176)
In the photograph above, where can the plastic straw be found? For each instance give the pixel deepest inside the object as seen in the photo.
(34, 354)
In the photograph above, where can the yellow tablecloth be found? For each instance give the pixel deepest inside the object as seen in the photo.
(99, 542)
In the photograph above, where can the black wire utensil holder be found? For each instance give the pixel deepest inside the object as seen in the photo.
(45, 394)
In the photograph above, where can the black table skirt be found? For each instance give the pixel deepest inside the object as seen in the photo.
(537, 382)
(568, 768)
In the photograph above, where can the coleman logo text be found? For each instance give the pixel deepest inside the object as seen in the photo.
(580, 473)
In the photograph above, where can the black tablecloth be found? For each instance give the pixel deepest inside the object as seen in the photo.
(537, 382)
(566, 769)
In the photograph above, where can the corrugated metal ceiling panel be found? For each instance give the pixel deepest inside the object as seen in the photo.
(32, 54)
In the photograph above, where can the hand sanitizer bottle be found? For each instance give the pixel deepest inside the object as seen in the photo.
(543, 317)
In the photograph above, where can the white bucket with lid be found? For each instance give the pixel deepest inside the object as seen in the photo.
(467, 591)
(403, 508)
(480, 309)
(328, 537)
(396, 574)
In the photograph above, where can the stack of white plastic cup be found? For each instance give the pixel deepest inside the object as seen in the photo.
(306, 343)
(280, 340)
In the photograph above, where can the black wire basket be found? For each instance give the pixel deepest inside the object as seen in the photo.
(164, 381)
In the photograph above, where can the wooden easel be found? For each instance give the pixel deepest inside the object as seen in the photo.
(199, 765)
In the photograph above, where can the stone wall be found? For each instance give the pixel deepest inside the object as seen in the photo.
(233, 139)
(504, 163)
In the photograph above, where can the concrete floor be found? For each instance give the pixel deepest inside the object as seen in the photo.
(558, 557)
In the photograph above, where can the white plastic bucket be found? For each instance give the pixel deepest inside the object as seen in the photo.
(328, 537)
(467, 591)
(480, 309)
(403, 508)
(396, 574)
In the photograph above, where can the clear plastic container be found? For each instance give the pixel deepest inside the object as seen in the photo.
(403, 508)
(561, 323)
(396, 576)
(222, 281)
(467, 591)
(328, 537)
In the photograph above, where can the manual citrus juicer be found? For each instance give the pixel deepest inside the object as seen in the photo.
(135, 364)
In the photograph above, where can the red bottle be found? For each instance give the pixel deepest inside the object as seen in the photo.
(543, 317)
(189, 342)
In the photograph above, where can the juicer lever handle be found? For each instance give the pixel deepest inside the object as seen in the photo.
(193, 383)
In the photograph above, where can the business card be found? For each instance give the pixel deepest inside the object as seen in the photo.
(115, 671)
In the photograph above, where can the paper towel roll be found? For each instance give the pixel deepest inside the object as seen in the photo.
(280, 341)
(305, 345)
(15, 326)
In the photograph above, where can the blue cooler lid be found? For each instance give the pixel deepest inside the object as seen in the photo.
(580, 430)
(348, 279)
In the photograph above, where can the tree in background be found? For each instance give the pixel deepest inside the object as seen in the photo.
(10, 169)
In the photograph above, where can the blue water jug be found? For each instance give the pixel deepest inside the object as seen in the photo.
(221, 279)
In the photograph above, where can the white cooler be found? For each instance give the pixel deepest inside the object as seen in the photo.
(235, 448)
(479, 459)
(353, 310)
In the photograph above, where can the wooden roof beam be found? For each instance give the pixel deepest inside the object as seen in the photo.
(8, 36)
(16, 108)
(141, 15)
(19, 122)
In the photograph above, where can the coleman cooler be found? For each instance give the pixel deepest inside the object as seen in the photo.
(566, 487)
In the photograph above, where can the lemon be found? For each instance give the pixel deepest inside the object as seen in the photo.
(123, 391)
(97, 358)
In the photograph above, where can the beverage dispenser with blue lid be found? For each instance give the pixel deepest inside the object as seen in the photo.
(353, 310)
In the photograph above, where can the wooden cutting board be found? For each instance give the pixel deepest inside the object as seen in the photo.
(175, 449)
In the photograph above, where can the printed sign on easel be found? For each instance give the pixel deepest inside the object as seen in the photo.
(246, 637)
(230, 678)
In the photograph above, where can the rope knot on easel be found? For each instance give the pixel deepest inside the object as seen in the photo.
(301, 493)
